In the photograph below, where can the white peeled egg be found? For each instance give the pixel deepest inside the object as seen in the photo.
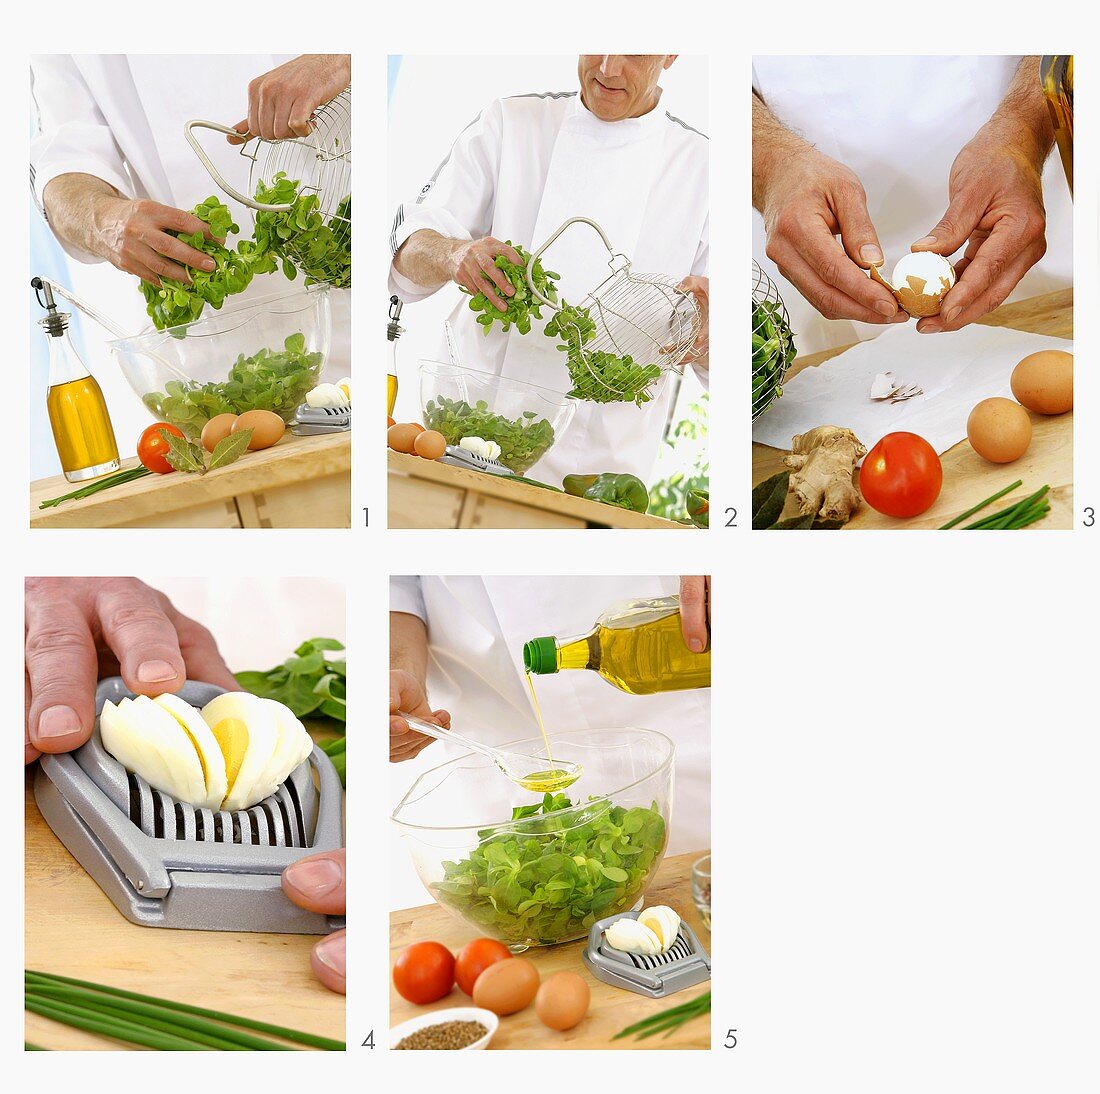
(327, 395)
(248, 734)
(663, 922)
(630, 936)
(148, 741)
(344, 384)
(294, 745)
(204, 743)
(917, 268)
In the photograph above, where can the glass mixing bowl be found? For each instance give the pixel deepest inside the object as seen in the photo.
(534, 871)
(264, 354)
(524, 419)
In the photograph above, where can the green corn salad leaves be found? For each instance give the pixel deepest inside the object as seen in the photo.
(557, 869)
(523, 441)
(309, 682)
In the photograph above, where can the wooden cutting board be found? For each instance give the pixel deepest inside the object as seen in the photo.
(301, 482)
(611, 1010)
(429, 494)
(72, 929)
(967, 478)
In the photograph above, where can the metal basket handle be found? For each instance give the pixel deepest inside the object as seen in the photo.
(538, 254)
(213, 172)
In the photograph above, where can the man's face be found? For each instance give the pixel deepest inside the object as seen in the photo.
(617, 86)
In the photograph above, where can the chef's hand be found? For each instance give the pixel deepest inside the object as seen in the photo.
(281, 102)
(80, 629)
(695, 612)
(472, 268)
(136, 237)
(996, 210)
(808, 200)
(318, 884)
(699, 287)
(407, 694)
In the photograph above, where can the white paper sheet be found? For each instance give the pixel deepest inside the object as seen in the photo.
(956, 371)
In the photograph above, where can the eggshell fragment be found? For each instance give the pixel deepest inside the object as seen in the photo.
(999, 430)
(267, 428)
(1043, 381)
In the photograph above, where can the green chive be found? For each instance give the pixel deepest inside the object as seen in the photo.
(981, 505)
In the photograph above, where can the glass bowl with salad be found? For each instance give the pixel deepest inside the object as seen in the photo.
(263, 354)
(535, 870)
(523, 419)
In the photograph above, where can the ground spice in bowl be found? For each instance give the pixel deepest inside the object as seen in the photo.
(444, 1035)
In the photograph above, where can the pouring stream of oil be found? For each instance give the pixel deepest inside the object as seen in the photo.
(553, 778)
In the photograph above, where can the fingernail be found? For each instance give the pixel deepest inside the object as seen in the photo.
(332, 952)
(314, 877)
(870, 254)
(208, 264)
(884, 307)
(928, 241)
(57, 722)
(953, 314)
(696, 645)
(154, 672)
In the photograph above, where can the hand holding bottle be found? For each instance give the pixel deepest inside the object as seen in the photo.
(695, 612)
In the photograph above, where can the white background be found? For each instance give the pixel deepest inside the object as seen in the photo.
(906, 896)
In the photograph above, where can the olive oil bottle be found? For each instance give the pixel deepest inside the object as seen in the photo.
(82, 431)
(1056, 75)
(394, 330)
(637, 646)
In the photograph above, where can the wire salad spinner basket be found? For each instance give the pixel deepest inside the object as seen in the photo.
(299, 189)
(773, 347)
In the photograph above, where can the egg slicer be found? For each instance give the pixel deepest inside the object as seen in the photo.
(656, 975)
(309, 421)
(637, 315)
(163, 863)
(320, 162)
(461, 457)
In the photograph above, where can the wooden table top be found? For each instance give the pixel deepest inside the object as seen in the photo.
(293, 459)
(72, 929)
(611, 1009)
(521, 493)
(967, 478)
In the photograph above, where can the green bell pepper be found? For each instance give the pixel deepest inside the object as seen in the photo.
(624, 491)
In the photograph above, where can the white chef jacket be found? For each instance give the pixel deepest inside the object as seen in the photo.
(476, 630)
(898, 123)
(523, 167)
(120, 117)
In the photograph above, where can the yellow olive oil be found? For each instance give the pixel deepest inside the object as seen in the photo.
(391, 393)
(637, 647)
(553, 778)
(1056, 75)
(82, 429)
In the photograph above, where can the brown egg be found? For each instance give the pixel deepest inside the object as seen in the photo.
(217, 429)
(1043, 381)
(401, 437)
(999, 430)
(266, 428)
(430, 444)
(563, 1000)
(507, 986)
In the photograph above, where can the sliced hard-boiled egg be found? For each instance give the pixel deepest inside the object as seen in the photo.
(630, 936)
(211, 757)
(345, 386)
(248, 735)
(148, 741)
(294, 745)
(327, 395)
(663, 922)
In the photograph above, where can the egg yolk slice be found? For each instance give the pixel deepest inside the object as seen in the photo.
(232, 737)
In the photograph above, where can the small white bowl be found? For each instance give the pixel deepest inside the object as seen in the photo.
(450, 1014)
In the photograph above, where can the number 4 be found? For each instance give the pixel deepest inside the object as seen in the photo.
(369, 1042)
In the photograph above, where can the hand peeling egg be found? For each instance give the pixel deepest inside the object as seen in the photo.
(234, 753)
(920, 281)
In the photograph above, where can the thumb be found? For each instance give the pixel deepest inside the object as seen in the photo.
(242, 128)
(857, 233)
(953, 230)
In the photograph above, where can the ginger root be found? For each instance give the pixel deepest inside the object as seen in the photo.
(823, 461)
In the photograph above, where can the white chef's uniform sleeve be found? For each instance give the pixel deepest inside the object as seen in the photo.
(71, 135)
(701, 268)
(406, 596)
(458, 200)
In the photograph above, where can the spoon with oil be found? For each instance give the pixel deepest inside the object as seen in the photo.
(516, 766)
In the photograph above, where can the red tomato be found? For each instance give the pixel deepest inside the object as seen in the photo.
(424, 972)
(901, 476)
(152, 449)
(475, 958)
